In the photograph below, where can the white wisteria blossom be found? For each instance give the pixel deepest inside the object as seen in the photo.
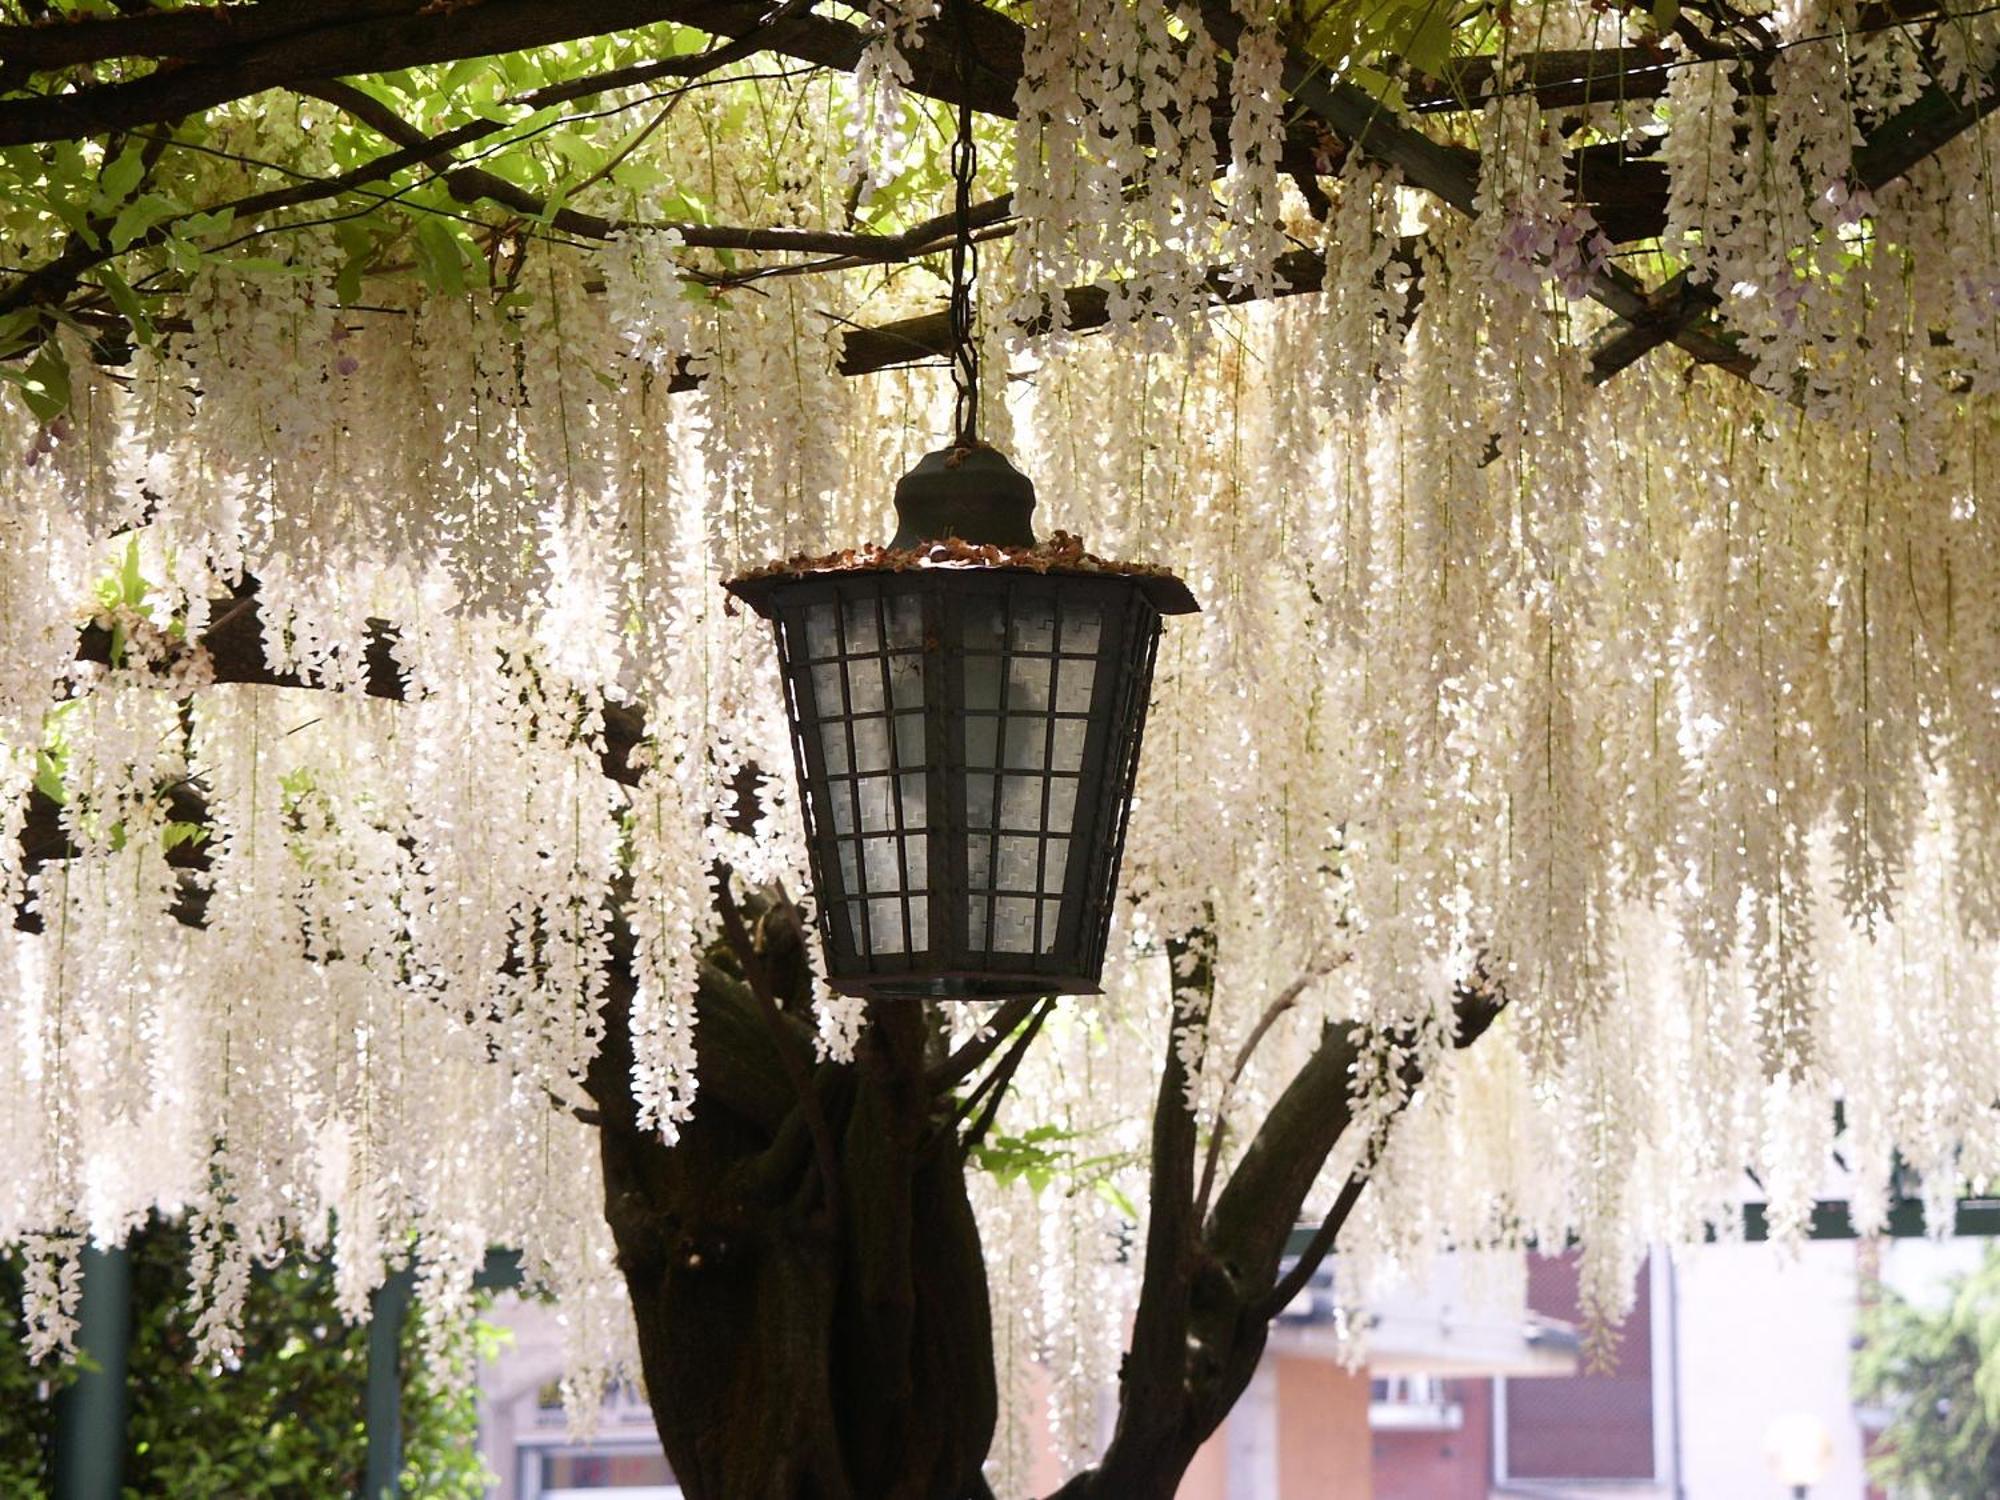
(1667, 705)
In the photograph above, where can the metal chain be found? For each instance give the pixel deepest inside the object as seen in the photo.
(964, 254)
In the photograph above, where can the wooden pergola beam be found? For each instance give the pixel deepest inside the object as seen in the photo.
(1680, 305)
(257, 47)
(917, 340)
(234, 644)
(1448, 173)
(222, 53)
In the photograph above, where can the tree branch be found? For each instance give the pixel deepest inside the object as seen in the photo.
(1259, 1203)
(968, 1059)
(738, 938)
(1151, 1386)
(52, 282)
(475, 184)
(1478, 1005)
(234, 643)
(911, 341)
(1448, 173)
(1680, 306)
(994, 1085)
(366, 40)
(1556, 79)
(1294, 1281)
(191, 32)
(260, 47)
(1280, 1006)
(1573, 78)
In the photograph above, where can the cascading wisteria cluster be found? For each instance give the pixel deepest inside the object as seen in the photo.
(1670, 706)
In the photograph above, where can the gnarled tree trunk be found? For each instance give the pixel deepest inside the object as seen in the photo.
(803, 1339)
(807, 1276)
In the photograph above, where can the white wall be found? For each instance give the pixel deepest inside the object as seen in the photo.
(1764, 1331)
(1919, 1268)
(507, 1386)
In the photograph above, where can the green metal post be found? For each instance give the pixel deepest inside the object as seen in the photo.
(90, 1414)
(501, 1271)
(387, 1311)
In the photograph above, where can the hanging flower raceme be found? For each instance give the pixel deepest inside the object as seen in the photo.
(373, 724)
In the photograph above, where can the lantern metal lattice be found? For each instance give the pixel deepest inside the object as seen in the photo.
(967, 739)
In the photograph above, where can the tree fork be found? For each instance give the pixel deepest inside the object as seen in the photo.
(1208, 1321)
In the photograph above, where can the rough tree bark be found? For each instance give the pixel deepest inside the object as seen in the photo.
(800, 1339)
(807, 1276)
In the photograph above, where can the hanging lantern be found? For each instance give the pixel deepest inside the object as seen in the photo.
(966, 710)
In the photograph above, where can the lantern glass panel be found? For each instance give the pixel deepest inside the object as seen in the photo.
(1074, 683)
(861, 630)
(966, 743)
(1028, 683)
(1019, 858)
(833, 745)
(871, 744)
(1062, 803)
(1055, 866)
(1027, 742)
(864, 686)
(865, 667)
(1083, 624)
(982, 738)
(979, 802)
(1030, 677)
(1014, 925)
(830, 689)
(1021, 802)
(1034, 626)
(821, 637)
(1066, 744)
(982, 684)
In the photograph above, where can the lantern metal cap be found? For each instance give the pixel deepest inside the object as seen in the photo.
(968, 491)
(964, 507)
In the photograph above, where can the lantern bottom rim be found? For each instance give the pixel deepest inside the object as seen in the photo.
(985, 985)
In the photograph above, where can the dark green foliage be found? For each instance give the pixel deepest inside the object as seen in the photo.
(286, 1423)
(27, 1410)
(1937, 1370)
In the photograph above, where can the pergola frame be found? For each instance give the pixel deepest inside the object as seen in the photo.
(228, 52)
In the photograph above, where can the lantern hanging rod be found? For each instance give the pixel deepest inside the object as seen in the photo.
(964, 252)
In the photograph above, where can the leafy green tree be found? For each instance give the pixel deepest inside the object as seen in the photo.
(1937, 1369)
(285, 1423)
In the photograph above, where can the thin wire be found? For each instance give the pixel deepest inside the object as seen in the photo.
(964, 252)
